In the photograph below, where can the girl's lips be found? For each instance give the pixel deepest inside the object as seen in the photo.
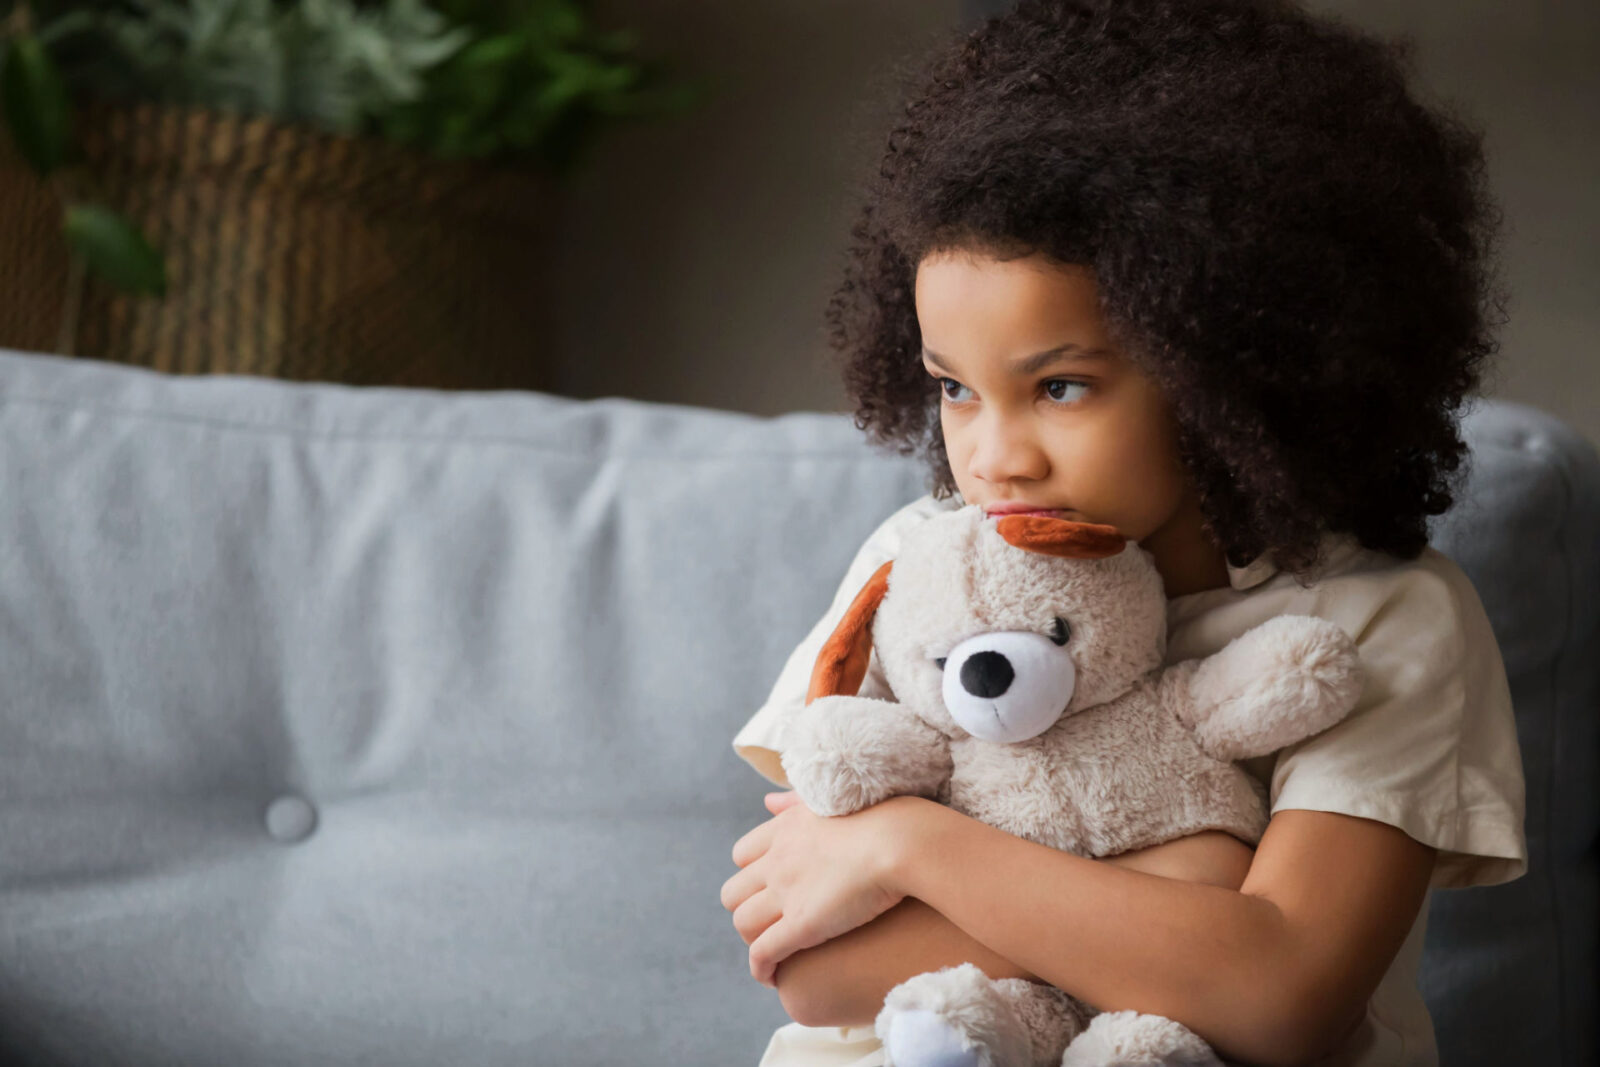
(1006, 509)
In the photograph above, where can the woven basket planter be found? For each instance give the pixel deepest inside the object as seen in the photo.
(290, 253)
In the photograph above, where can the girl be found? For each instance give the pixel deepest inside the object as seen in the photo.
(1202, 270)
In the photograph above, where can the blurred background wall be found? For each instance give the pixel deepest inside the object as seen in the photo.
(694, 260)
(695, 256)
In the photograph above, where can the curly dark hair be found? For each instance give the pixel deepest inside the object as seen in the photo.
(1290, 244)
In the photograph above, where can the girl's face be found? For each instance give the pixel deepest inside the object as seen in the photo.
(1039, 409)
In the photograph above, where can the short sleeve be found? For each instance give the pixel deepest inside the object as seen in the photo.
(759, 741)
(1432, 745)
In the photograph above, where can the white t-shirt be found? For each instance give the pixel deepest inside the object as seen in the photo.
(1431, 746)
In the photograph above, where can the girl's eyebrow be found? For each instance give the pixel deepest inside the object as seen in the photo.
(1036, 362)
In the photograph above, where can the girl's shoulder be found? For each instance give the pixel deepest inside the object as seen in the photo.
(1431, 746)
(1353, 585)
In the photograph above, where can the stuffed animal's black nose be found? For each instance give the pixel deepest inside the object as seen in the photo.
(986, 674)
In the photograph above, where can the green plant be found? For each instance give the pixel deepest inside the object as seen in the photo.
(38, 111)
(507, 80)
(326, 63)
(536, 80)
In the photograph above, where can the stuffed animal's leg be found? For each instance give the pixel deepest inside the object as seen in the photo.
(1052, 1018)
(1129, 1039)
(845, 753)
(960, 1017)
(1281, 682)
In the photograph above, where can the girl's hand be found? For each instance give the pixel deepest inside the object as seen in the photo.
(807, 878)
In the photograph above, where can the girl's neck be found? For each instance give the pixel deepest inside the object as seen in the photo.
(1187, 558)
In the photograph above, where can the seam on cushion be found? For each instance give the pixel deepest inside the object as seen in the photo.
(1536, 443)
(313, 434)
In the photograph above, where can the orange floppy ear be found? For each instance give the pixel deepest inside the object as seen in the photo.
(1061, 537)
(842, 664)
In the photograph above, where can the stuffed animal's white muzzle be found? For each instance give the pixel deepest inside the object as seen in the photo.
(1008, 686)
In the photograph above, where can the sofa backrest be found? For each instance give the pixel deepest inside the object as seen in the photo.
(391, 726)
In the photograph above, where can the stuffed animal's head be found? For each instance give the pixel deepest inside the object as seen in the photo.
(997, 627)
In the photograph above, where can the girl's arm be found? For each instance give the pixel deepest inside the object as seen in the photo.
(1277, 972)
(843, 982)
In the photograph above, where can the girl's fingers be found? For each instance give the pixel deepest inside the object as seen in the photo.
(756, 914)
(777, 802)
(753, 845)
(770, 948)
(741, 887)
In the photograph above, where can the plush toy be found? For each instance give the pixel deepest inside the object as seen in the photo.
(1024, 654)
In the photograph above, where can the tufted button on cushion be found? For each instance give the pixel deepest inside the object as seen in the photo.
(291, 818)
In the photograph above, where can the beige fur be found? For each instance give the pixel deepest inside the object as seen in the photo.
(1133, 756)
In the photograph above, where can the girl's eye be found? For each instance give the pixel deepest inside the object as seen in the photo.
(1064, 390)
(1058, 388)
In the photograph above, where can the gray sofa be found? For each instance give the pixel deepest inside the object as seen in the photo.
(375, 726)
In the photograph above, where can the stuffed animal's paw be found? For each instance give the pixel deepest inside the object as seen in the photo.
(920, 1038)
(954, 1017)
(1285, 680)
(1129, 1039)
(845, 753)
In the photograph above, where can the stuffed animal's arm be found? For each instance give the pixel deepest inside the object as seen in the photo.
(845, 753)
(1281, 682)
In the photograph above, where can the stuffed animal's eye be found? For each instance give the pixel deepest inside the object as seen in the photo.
(1061, 632)
(939, 662)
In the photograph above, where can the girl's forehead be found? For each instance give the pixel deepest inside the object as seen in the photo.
(1016, 310)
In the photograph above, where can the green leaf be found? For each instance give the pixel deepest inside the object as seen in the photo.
(423, 53)
(115, 249)
(36, 105)
(492, 52)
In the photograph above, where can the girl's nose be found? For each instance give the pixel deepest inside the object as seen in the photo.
(1006, 451)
